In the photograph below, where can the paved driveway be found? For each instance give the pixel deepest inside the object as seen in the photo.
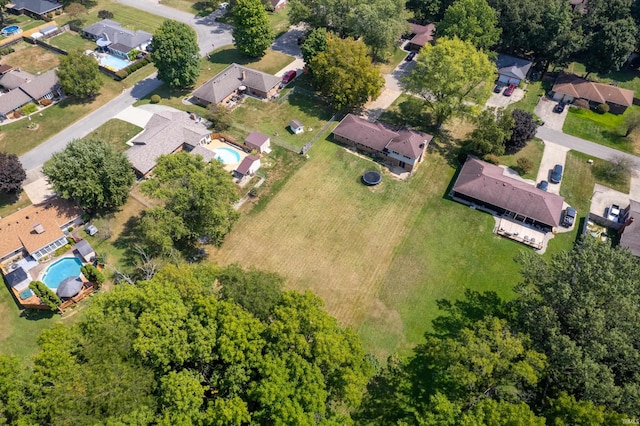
(134, 115)
(552, 120)
(553, 154)
(498, 100)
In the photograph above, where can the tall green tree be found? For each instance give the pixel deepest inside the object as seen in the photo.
(380, 23)
(524, 129)
(449, 76)
(198, 200)
(345, 74)
(471, 20)
(314, 43)
(12, 173)
(427, 11)
(611, 46)
(79, 75)
(89, 172)
(493, 128)
(252, 33)
(176, 54)
(256, 291)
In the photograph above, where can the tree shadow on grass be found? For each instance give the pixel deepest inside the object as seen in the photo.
(128, 239)
(311, 106)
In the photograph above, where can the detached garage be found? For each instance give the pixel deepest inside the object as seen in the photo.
(512, 70)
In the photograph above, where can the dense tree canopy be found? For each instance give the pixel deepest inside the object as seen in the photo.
(524, 129)
(12, 173)
(449, 75)
(345, 74)
(252, 33)
(611, 46)
(314, 43)
(471, 20)
(176, 54)
(89, 172)
(198, 200)
(79, 75)
(493, 129)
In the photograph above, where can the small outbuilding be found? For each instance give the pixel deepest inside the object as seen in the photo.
(70, 287)
(85, 250)
(296, 127)
(258, 141)
(18, 279)
(248, 167)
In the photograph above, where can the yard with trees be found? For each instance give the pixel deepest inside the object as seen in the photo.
(79, 75)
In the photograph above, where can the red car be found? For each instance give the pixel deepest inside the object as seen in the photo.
(509, 90)
(289, 76)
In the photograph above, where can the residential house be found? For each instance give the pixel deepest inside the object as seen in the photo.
(35, 8)
(248, 167)
(512, 70)
(165, 133)
(258, 141)
(25, 87)
(483, 185)
(630, 230)
(116, 39)
(420, 36)
(278, 4)
(37, 230)
(296, 127)
(569, 87)
(233, 80)
(402, 147)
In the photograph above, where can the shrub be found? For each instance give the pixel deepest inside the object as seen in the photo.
(17, 114)
(581, 103)
(93, 274)
(61, 250)
(122, 74)
(45, 102)
(155, 99)
(525, 164)
(29, 108)
(45, 294)
(105, 14)
(6, 51)
(493, 159)
(602, 108)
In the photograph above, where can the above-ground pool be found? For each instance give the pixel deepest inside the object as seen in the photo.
(371, 177)
(115, 62)
(227, 155)
(61, 269)
(10, 30)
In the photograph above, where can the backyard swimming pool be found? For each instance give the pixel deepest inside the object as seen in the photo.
(227, 155)
(10, 30)
(113, 62)
(61, 269)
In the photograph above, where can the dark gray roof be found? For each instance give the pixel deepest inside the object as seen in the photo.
(41, 85)
(118, 35)
(36, 6)
(84, 248)
(228, 80)
(15, 78)
(69, 287)
(13, 100)
(15, 277)
(631, 234)
(485, 182)
(512, 66)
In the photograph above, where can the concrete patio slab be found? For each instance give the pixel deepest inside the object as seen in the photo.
(38, 191)
(138, 116)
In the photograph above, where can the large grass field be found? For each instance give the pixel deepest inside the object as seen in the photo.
(606, 129)
(129, 17)
(70, 41)
(31, 58)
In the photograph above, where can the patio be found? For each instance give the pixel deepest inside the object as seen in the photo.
(521, 233)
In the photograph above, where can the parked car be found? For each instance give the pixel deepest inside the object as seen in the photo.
(569, 217)
(613, 213)
(289, 76)
(544, 185)
(410, 56)
(509, 90)
(559, 107)
(498, 88)
(556, 174)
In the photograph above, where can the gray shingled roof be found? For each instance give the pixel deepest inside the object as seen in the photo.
(165, 133)
(485, 182)
(512, 66)
(13, 100)
(41, 85)
(207, 154)
(631, 235)
(118, 35)
(84, 248)
(36, 6)
(15, 78)
(228, 80)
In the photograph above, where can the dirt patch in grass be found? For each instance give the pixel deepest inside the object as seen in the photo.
(32, 58)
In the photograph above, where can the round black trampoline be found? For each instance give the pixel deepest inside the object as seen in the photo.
(371, 177)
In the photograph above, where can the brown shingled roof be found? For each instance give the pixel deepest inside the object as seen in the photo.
(485, 182)
(423, 33)
(572, 85)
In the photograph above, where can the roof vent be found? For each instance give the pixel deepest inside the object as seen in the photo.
(38, 228)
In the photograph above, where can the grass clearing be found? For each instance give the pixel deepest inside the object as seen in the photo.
(533, 92)
(129, 17)
(379, 256)
(183, 5)
(10, 203)
(31, 58)
(605, 129)
(116, 133)
(393, 60)
(70, 41)
(279, 22)
(533, 151)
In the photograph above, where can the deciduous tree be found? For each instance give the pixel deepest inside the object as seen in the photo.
(12, 173)
(256, 291)
(176, 54)
(524, 129)
(380, 23)
(493, 128)
(314, 43)
(449, 76)
(345, 74)
(252, 33)
(91, 173)
(75, 10)
(611, 46)
(79, 75)
(471, 20)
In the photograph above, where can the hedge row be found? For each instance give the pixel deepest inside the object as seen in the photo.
(123, 73)
(45, 294)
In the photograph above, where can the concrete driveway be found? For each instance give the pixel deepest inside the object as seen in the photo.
(553, 154)
(602, 197)
(551, 119)
(498, 100)
(133, 115)
(287, 43)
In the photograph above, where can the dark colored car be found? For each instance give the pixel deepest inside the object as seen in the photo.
(498, 88)
(410, 56)
(556, 173)
(569, 217)
(544, 185)
(509, 90)
(289, 76)
(559, 107)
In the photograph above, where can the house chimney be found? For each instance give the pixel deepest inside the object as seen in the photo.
(38, 228)
(244, 75)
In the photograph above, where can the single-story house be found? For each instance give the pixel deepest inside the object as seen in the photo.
(630, 231)
(234, 79)
(402, 147)
(85, 250)
(116, 39)
(569, 87)
(420, 36)
(165, 133)
(31, 89)
(296, 126)
(512, 70)
(37, 229)
(278, 4)
(481, 184)
(258, 141)
(36, 8)
(248, 167)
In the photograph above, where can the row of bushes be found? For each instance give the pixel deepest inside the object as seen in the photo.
(6, 51)
(45, 294)
(584, 104)
(123, 73)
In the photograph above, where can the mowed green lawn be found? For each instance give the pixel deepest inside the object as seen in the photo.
(380, 257)
(129, 17)
(116, 133)
(70, 41)
(606, 129)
